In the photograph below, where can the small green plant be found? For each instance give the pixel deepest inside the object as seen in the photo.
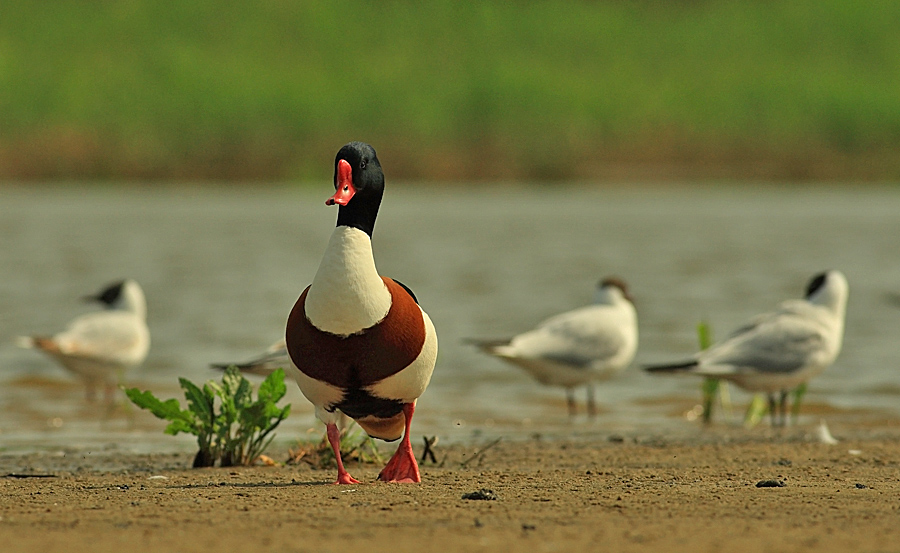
(797, 399)
(756, 410)
(234, 434)
(759, 406)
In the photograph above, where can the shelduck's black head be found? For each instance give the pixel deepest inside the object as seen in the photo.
(358, 185)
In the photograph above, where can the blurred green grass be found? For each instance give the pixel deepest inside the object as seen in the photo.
(540, 90)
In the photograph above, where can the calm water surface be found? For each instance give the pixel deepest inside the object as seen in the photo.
(222, 267)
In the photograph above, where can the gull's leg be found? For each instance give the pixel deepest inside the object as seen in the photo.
(773, 408)
(570, 400)
(591, 402)
(784, 407)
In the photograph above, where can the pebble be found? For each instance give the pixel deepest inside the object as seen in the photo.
(770, 484)
(481, 495)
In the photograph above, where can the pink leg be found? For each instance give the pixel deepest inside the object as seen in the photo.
(402, 467)
(334, 438)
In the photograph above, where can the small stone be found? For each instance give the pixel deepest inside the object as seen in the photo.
(481, 495)
(770, 484)
(861, 486)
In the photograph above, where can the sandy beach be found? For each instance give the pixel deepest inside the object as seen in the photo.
(723, 489)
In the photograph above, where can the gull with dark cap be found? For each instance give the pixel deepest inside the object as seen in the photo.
(778, 351)
(362, 344)
(578, 347)
(99, 347)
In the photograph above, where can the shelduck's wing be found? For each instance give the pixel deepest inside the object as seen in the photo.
(408, 291)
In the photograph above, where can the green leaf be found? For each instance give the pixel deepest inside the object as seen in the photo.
(231, 380)
(273, 388)
(704, 335)
(181, 420)
(213, 389)
(253, 415)
(181, 425)
(797, 399)
(168, 410)
(756, 410)
(274, 412)
(243, 395)
(710, 386)
(198, 401)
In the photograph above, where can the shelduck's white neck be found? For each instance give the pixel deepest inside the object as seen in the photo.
(347, 295)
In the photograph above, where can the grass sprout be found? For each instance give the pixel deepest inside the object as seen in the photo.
(797, 398)
(756, 410)
(711, 387)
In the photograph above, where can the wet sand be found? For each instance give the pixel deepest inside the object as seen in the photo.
(634, 493)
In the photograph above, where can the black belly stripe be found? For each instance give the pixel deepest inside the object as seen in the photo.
(358, 403)
(364, 358)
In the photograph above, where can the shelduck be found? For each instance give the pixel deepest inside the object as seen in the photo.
(362, 344)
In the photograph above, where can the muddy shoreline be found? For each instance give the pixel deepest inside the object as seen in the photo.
(627, 493)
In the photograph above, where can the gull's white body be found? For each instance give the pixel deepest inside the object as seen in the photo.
(578, 347)
(590, 343)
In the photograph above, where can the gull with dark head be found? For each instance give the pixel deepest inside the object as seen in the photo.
(99, 347)
(777, 351)
(578, 347)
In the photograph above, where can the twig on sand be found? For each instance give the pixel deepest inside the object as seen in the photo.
(428, 453)
(480, 452)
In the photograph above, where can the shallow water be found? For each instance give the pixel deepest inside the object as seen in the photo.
(222, 266)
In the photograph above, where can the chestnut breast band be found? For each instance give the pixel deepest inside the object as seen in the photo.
(360, 359)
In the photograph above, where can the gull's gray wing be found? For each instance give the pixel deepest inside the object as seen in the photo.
(778, 343)
(577, 338)
(275, 357)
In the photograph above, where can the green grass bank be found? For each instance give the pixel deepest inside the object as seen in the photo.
(539, 90)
